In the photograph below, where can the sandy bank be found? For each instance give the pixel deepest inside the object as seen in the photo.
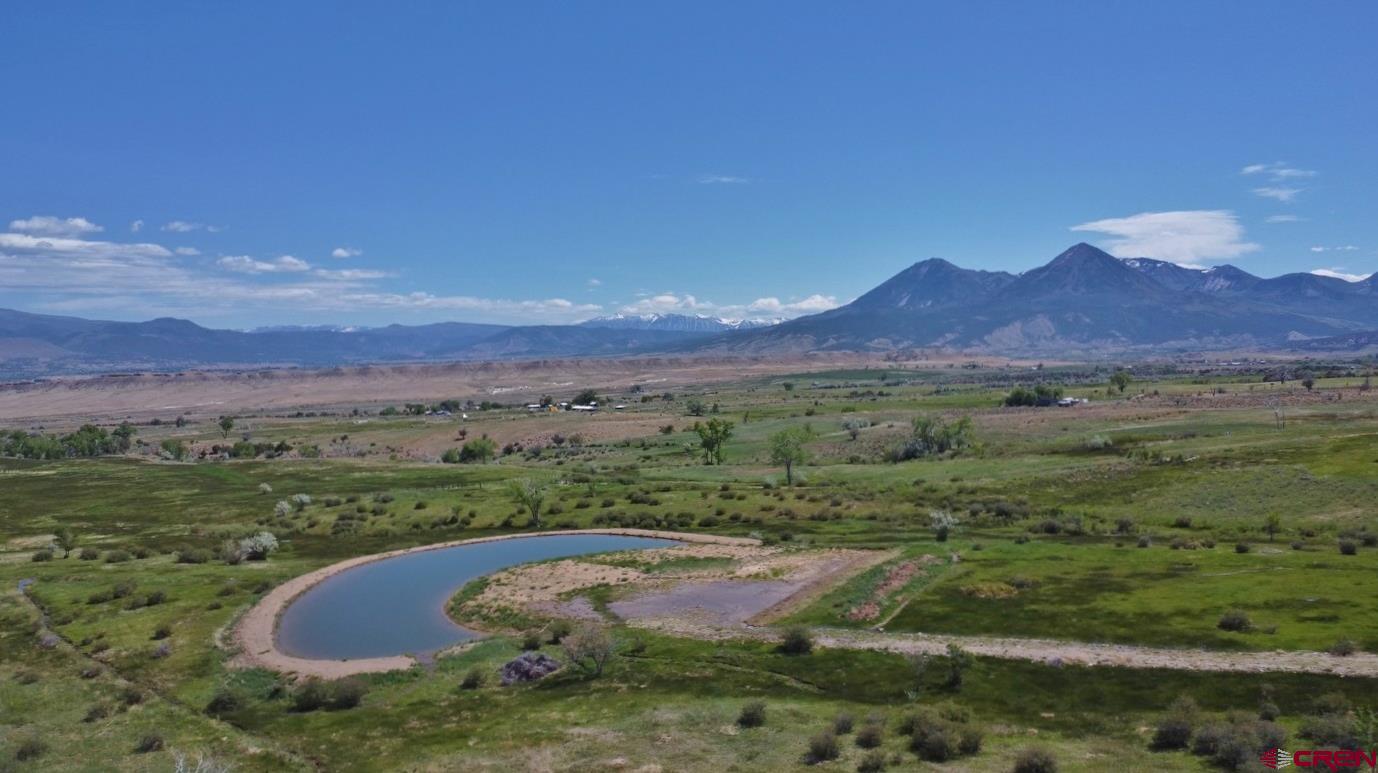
(257, 644)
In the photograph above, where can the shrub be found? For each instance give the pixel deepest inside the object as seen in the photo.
(118, 557)
(1241, 547)
(152, 742)
(224, 701)
(1035, 760)
(162, 631)
(473, 679)
(88, 554)
(843, 723)
(1235, 620)
(874, 762)
(1207, 739)
(870, 735)
(969, 741)
(1344, 648)
(936, 742)
(193, 556)
(531, 640)
(96, 713)
(1174, 731)
(1298, 544)
(823, 747)
(1145, 541)
(797, 641)
(1348, 547)
(31, 748)
(310, 695)
(43, 555)
(558, 630)
(345, 694)
(753, 715)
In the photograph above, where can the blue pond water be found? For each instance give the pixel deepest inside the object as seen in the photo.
(396, 606)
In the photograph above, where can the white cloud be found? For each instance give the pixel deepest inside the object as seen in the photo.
(81, 276)
(676, 303)
(244, 264)
(78, 247)
(1277, 192)
(351, 274)
(183, 227)
(47, 225)
(1277, 171)
(187, 251)
(1282, 219)
(810, 305)
(136, 226)
(1189, 236)
(722, 179)
(595, 282)
(1338, 273)
(345, 252)
(1340, 248)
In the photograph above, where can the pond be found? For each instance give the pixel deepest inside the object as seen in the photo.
(396, 606)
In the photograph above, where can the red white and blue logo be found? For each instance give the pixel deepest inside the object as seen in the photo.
(1276, 758)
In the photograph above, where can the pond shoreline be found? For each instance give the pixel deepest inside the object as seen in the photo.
(255, 635)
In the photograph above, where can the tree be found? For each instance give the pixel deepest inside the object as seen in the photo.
(1121, 379)
(66, 541)
(787, 448)
(713, 435)
(1309, 383)
(480, 449)
(854, 427)
(933, 436)
(226, 424)
(530, 495)
(589, 648)
(586, 397)
(957, 663)
(694, 406)
(1272, 525)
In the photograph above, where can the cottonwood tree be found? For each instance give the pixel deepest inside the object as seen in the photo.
(226, 424)
(530, 495)
(1121, 379)
(589, 648)
(787, 448)
(713, 435)
(66, 541)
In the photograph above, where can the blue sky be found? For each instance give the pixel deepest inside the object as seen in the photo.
(545, 162)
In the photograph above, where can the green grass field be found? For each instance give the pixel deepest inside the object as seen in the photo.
(1051, 507)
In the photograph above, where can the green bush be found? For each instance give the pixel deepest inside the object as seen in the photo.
(1235, 620)
(843, 724)
(796, 641)
(870, 736)
(753, 715)
(152, 742)
(823, 747)
(873, 762)
(1348, 547)
(224, 701)
(1035, 760)
(473, 679)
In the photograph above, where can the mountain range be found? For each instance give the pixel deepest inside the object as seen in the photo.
(1084, 302)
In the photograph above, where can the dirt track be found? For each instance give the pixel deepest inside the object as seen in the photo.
(1045, 650)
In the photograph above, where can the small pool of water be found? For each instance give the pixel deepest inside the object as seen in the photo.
(396, 606)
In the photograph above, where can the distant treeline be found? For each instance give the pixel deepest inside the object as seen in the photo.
(90, 440)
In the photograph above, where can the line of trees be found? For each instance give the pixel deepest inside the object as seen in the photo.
(89, 440)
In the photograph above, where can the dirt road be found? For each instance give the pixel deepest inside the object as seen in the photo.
(1045, 650)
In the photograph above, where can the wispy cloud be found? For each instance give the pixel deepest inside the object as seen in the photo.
(684, 303)
(1277, 192)
(244, 264)
(48, 225)
(722, 179)
(1339, 273)
(183, 227)
(1339, 248)
(187, 251)
(345, 252)
(351, 274)
(1278, 171)
(594, 282)
(136, 226)
(1282, 219)
(1187, 237)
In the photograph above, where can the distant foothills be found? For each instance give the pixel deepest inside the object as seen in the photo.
(1084, 303)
